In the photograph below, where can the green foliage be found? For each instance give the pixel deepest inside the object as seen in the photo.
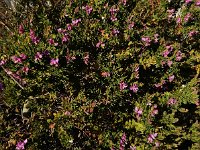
(101, 75)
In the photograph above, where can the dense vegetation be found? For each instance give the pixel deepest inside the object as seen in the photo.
(101, 75)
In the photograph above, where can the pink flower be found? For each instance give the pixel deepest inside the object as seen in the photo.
(146, 40)
(65, 38)
(100, 43)
(188, 1)
(113, 18)
(192, 33)
(156, 38)
(154, 111)
(59, 30)
(20, 145)
(67, 113)
(34, 38)
(124, 2)
(197, 3)
(131, 25)
(166, 53)
(52, 42)
(178, 20)
(75, 22)
(187, 17)
(113, 10)
(152, 137)
(178, 56)
(132, 147)
(105, 74)
(169, 48)
(122, 85)
(69, 27)
(25, 69)
(170, 13)
(157, 144)
(16, 60)
(122, 142)
(138, 112)
(86, 58)
(171, 101)
(23, 56)
(2, 62)
(54, 62)
(88, 9)
(169, 63)
(115, 32)
(134, 88)
(171, 78)
(38, 56)
(21, 29)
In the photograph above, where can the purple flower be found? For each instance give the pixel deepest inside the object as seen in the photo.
(152, 137)
(134, 88)
(20, 145)
(178, 56)
(54, 62)
(21, 29)
(171, 78)
(138, 112)
(38, 56)
(146, 40)
(171, 101)
(122, 85)
(16, 60)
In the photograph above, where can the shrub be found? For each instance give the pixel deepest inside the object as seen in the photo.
(102, 75)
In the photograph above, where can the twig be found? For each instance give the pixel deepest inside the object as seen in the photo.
(13, 78)
(4, 25)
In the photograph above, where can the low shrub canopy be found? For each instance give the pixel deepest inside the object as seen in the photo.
(102, 75)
